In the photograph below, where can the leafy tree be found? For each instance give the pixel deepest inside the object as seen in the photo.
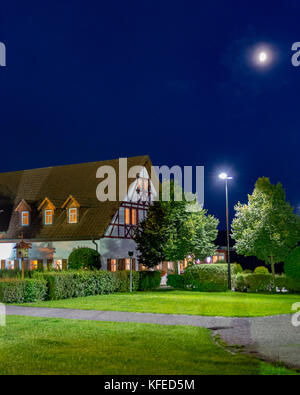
(267, 226)
(292, 264)
(150, 237)
(202, 232)
(84, 257)
(174, 229)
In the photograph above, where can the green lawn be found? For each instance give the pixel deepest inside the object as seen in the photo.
(31, 345)
(229, 304)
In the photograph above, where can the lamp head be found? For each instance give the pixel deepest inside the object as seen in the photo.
(223, 176)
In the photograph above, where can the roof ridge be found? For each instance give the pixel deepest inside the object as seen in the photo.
(76, 164)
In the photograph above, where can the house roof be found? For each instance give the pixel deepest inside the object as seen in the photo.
(57, 184)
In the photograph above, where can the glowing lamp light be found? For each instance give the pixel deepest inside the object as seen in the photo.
(223, 176)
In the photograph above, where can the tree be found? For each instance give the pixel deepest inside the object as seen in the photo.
(267, 226)
(292, 264)
(150, 238)
(174, 229)
(84, 257)
(202, 232)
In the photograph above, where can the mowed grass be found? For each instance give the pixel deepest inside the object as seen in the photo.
(31, 345)
(227, 304)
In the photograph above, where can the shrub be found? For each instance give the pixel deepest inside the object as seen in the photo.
(149, 280)
(261, 270)
(240, 284)
(35, 290)
(287, 283)
(175, 281)
(122, 281)
(292, 264)
(14, 273)
(238, 268)
(254, 283)
(72, 284)
(19, 291)
(207, 277)
(84, 257)
(247, 271)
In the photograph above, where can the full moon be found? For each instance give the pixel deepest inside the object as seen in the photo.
(262, 57)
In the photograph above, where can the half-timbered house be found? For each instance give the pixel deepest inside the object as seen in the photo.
(45, 213)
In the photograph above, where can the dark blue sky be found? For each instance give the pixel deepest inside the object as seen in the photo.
(92, 80)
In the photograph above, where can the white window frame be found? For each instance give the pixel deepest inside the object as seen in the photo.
(45, 216)
(22, 216)
(69, 215)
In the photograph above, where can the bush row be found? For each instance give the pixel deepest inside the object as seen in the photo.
(213, 277)
(264, 283)
(72, 284)
(69, 284)
(204, 278)
(20, 291)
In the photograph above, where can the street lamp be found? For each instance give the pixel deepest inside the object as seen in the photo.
(130, 254)
(224, 176)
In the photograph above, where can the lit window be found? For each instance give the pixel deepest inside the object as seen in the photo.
(127, 264)
(113, 265)
(25, 218)
(127, 216)
(133, 216)
(48, 217)
(58, 264)
(33, 265)
(72, 215)
(170, 266)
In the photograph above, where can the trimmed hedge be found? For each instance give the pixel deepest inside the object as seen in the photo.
(20, 291)
(253, 283)
(287, 283)
(175, 281)
(208, 277)
(264, 283)
(72, 284)
(14, 273)
(122, 281)
(261, 270)
(149, 280)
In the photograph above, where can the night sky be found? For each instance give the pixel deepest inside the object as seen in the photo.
(95, 80)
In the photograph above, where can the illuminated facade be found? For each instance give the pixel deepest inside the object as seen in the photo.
(56, 210)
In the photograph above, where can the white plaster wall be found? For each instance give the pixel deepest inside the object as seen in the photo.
(116, 248)
(108, 248)
(7, 251)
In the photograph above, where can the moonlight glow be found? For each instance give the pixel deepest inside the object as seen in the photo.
(262, 57)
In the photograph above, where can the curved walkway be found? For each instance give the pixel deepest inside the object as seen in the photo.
(273, 338)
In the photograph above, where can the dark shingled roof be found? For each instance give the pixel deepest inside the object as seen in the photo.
(58, 183)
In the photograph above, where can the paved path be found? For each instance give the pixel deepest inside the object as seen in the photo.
(273, 338)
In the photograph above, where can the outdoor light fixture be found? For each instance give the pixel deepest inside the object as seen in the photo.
(224, 176)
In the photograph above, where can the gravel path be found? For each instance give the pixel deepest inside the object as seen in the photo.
(273, 338)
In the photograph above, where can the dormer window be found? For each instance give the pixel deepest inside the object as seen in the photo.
(48, 217)
(24, 209)
(72, 206)
(25, 218)
(47, 209)
(73, 215)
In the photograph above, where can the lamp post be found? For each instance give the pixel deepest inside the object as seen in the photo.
(225, 177)
(130, 254)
